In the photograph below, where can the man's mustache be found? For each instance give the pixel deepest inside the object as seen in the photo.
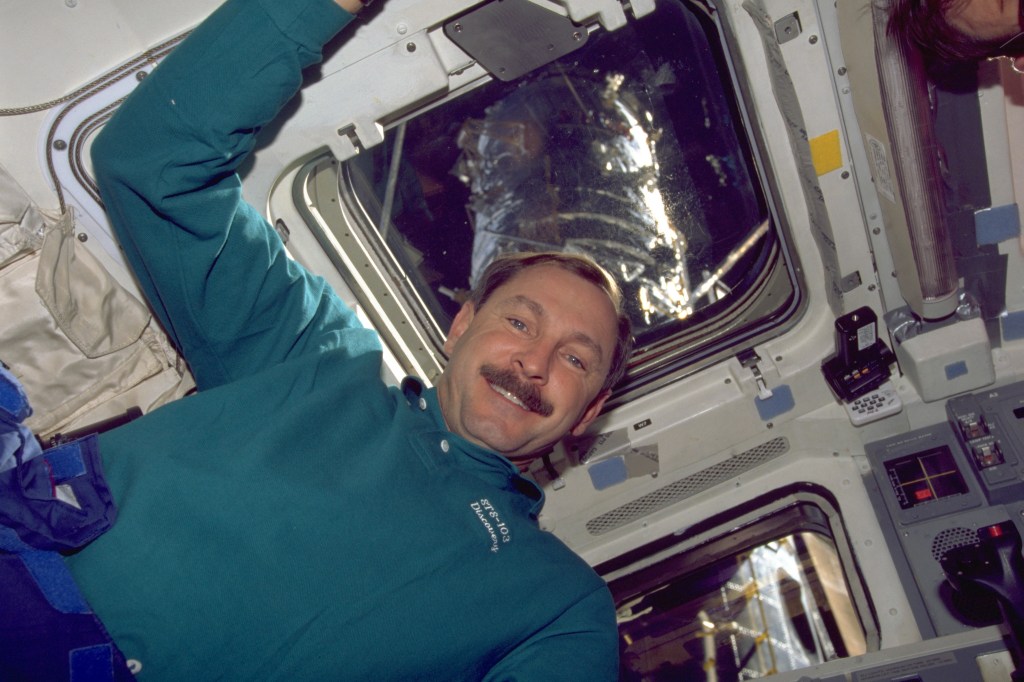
(527, 393)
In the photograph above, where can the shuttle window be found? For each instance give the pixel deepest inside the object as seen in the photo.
(768, 598)
(633, 150)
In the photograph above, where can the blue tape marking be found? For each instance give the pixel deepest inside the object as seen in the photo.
(13, 400)
(780, 402)
(607, 473)
(55, 581)
(1013, 326)
(996, 224)
(956, 369)
(65, 461)
(10, 542)
(91, 664)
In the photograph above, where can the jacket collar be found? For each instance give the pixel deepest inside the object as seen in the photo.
(487, 465)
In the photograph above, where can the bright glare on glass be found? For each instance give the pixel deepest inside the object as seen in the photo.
(626, 150)
(781, 606)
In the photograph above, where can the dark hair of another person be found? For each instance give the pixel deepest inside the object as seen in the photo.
(923, 23)
(505, 267)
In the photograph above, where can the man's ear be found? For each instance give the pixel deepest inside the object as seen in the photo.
(459, 325)
(590, 414)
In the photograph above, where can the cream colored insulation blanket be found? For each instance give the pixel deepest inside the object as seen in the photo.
(84, 347)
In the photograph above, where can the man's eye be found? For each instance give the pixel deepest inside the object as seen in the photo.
(517, 324)
(575, 361)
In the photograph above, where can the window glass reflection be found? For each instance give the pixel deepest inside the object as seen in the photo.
(780, 606)
(626, 150)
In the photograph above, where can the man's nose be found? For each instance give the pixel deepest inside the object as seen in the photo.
(534, 360)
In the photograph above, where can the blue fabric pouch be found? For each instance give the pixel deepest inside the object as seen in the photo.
(50, 501)
(58, 500)
(47, 628)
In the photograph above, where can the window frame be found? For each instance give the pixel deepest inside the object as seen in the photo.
(798, 508)
(376, 275)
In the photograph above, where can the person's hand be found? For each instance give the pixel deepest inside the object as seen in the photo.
(351, 6)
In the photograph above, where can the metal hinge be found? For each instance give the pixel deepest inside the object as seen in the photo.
(282, 230)
(749, 359)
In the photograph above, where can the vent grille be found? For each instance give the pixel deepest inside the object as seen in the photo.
(951, 538)
(687, 487)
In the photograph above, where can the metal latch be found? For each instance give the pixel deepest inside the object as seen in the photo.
(749, 359)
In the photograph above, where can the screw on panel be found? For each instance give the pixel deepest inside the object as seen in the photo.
(813, 40)
(60, 145)
(457, 27)
(845, 175)
(141, 75)
(410, 47)
(841, 71)
(83, 237)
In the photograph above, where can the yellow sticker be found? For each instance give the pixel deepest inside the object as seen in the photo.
(825, 152)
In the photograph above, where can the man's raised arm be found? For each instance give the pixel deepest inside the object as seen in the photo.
(212, 268)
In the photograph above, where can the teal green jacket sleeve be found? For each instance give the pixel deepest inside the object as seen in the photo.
(214, 271)
(581, 645)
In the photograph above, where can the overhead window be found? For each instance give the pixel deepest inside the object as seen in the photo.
(633, 150)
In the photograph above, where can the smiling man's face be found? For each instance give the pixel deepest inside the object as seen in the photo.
(529, 365)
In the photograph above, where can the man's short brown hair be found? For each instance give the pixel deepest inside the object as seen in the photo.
(506, 266)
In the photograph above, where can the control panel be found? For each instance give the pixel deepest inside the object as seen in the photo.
(990, 428)
(953, 494)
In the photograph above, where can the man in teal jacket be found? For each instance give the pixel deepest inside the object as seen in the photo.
(296, 518)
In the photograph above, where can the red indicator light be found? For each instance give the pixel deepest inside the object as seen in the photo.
(923, 494)
(995, 531)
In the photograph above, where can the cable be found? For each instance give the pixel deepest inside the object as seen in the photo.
(74, 145)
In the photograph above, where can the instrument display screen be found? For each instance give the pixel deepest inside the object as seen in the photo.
(925, 476)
